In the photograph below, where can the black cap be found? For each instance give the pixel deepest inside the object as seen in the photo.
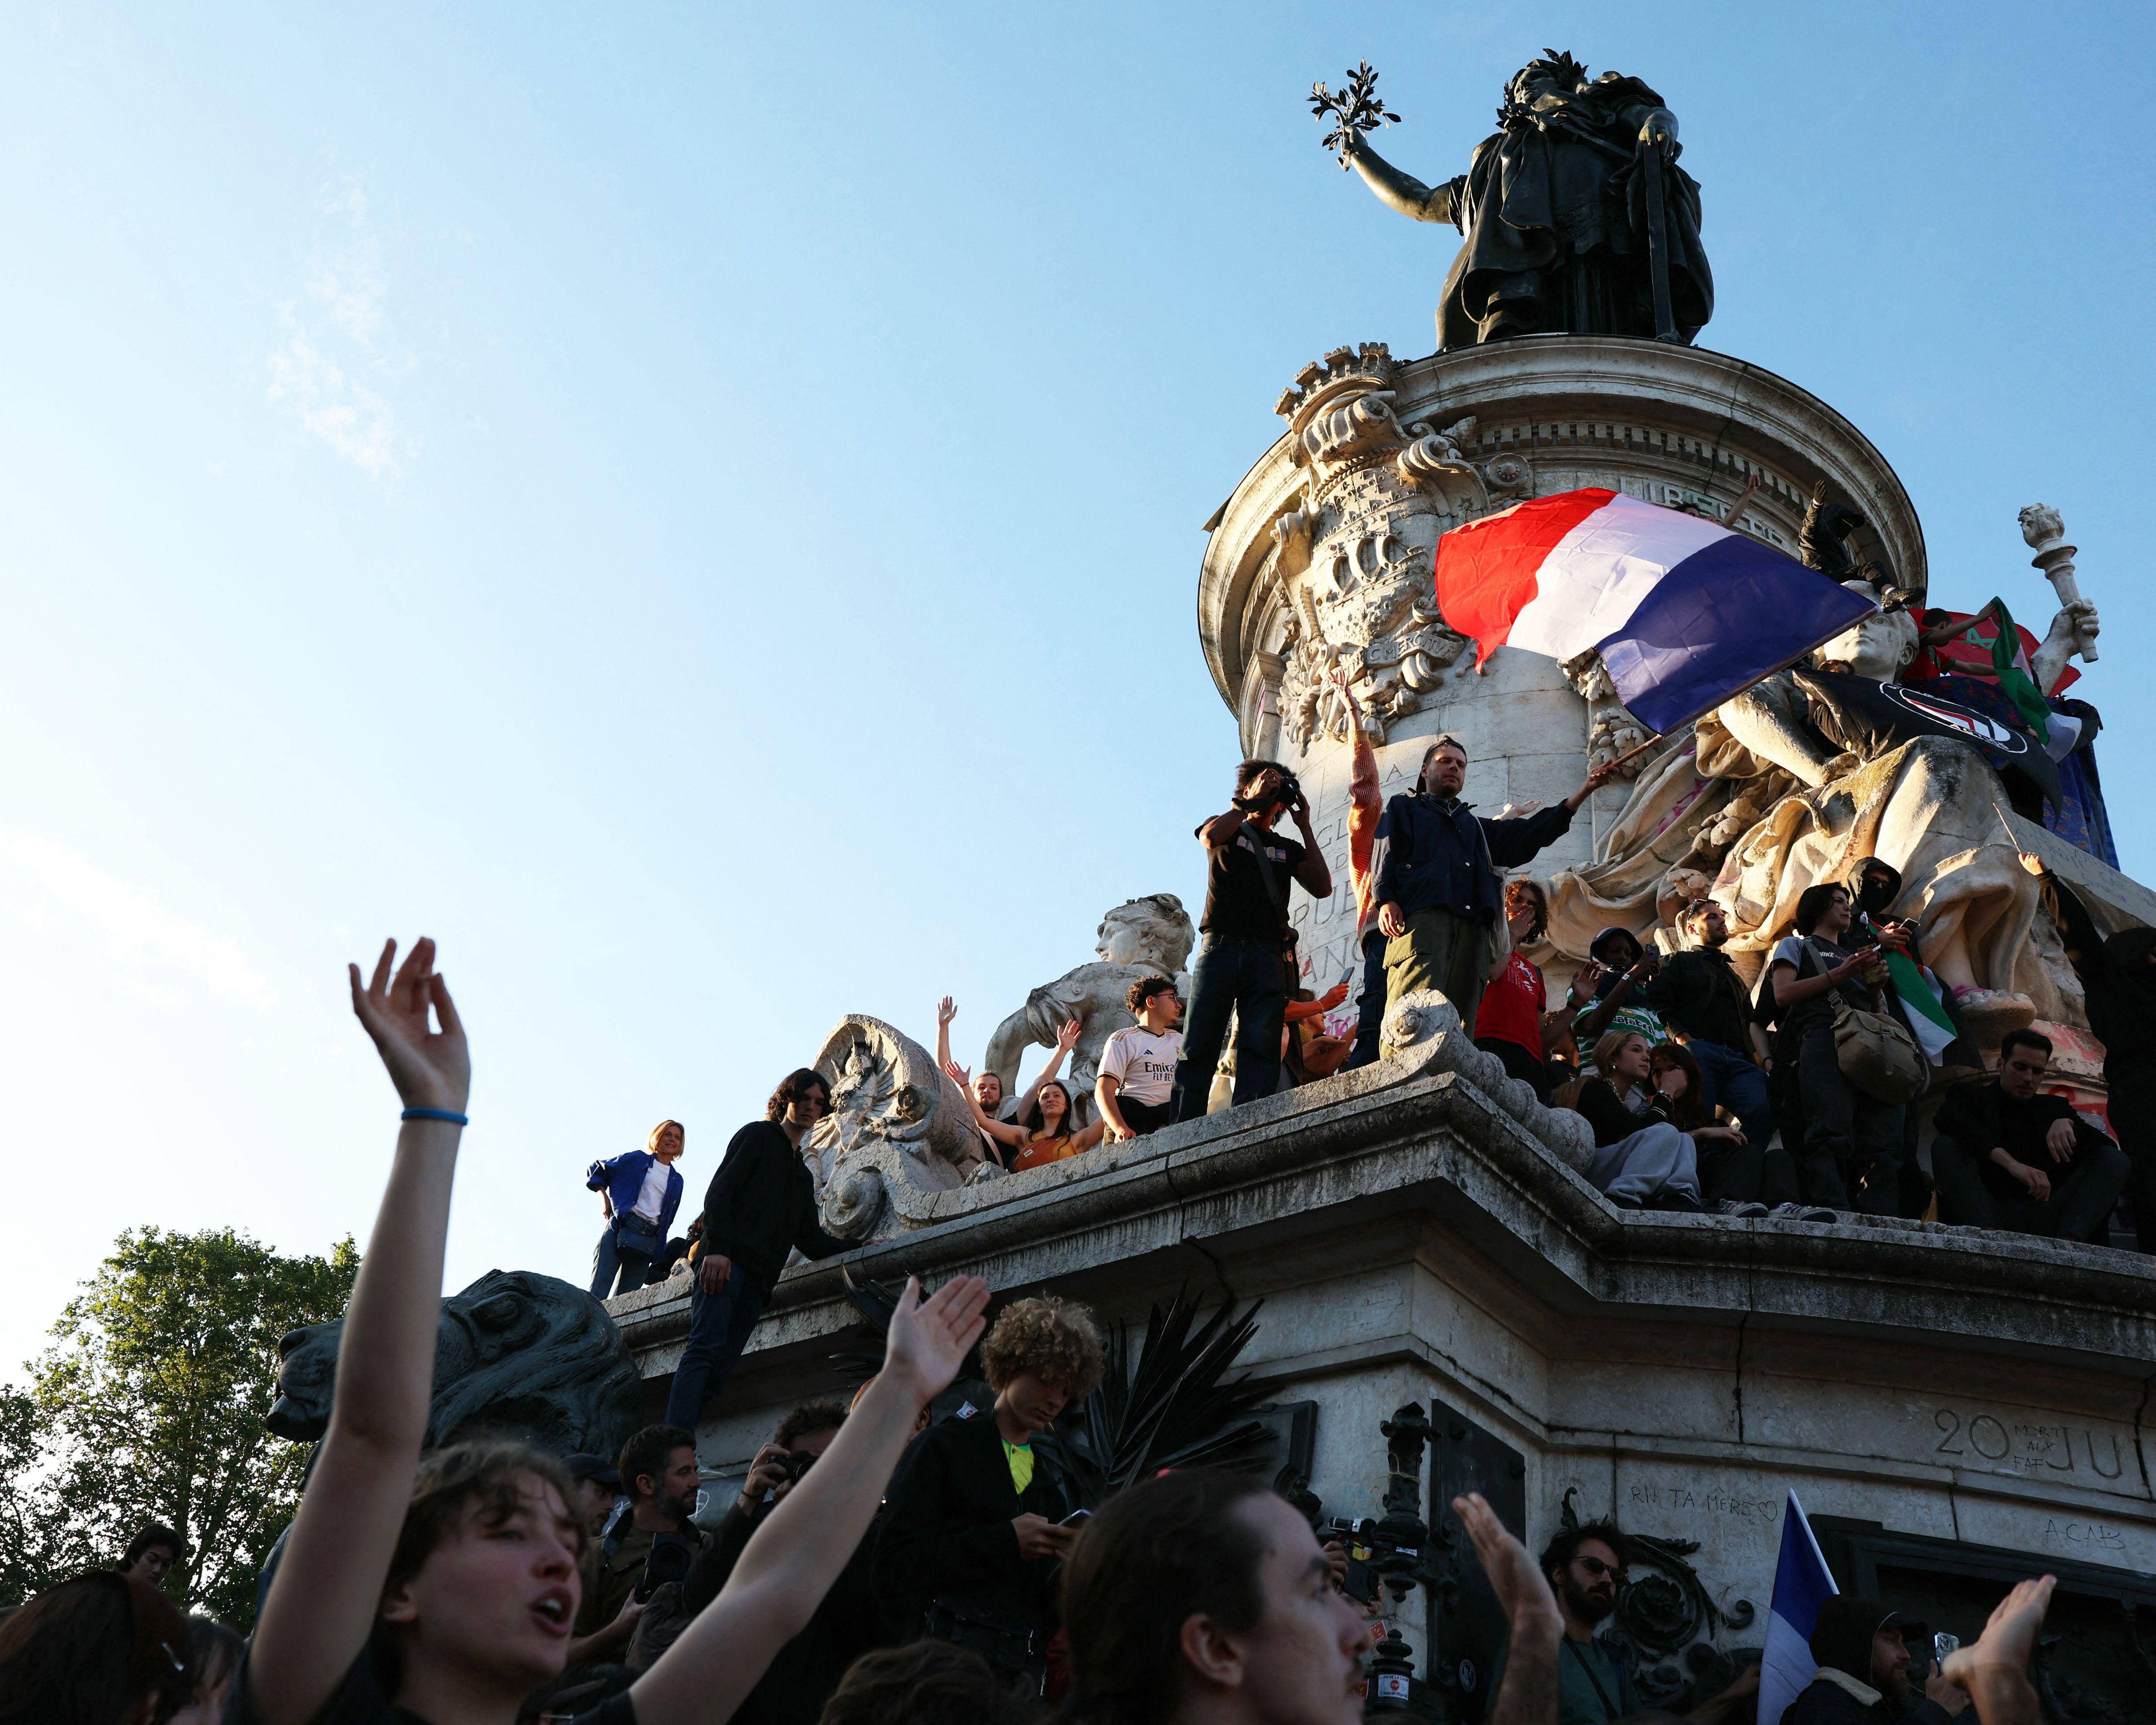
(1847, 1622)
(585, 1465)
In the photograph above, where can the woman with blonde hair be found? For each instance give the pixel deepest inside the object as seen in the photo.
(973, 1531)
(1641, 1162)
(639, 1191)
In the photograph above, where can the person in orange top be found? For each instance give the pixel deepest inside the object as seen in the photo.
(1047, 1126)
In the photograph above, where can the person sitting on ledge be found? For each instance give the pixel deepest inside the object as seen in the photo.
(994, 1119)
(1739, 1176)
(1623, 969)
(1136, 1089)
(1308, 1051)
(1641, 1162)
(2006, 1157)
(1049, 1137)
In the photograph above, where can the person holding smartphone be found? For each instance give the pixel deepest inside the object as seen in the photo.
(1851, 1150)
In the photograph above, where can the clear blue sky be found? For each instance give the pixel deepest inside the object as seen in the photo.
(698, 508)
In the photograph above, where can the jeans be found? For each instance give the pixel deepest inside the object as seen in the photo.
(1734, 1083)
(1653, 1161)
(1851, 1157)
(2079, 1207)
(611, 1259)
(1243, 974)
(719, 1325)
(1371, 1017)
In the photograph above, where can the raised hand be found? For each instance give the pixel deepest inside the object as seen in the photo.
(1066, 1038)
(767, 1473)
(928, 1339)
(431, 1069)
(1995, 1671)
(963, 1074)
(946, 1010)
(1521, 1589)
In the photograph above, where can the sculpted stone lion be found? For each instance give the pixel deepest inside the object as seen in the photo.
(1142, 937)
(518, 1355)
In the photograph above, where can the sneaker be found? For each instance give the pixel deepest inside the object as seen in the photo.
(1740, 1207)
(1803, 1212)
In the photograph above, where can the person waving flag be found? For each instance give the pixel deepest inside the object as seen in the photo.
(1685, 612)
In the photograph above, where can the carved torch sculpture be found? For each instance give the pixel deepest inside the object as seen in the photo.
(2047, 535)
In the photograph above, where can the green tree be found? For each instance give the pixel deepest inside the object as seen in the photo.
(150, 1407)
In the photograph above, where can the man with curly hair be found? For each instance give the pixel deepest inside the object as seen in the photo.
(971, 1535)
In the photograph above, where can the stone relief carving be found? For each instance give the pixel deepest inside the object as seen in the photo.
(1141, 937)
(1427, 1024)
(1352, 557)
(898, 1127)
(1612, 731)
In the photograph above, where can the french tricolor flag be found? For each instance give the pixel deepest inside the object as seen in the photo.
(1685, 612)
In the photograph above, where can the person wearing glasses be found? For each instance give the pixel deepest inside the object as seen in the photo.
(1586, 1568)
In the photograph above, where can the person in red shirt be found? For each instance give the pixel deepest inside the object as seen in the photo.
(1515, 1004)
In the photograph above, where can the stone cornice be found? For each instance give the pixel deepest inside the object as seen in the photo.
(1369, 1147)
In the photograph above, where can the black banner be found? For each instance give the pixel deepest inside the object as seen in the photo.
(1872, 719)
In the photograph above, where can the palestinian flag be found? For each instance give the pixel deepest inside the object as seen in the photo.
(1922, 1004)
(2010, 663)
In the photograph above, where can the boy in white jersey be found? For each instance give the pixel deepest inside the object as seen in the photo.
(1137, 1064)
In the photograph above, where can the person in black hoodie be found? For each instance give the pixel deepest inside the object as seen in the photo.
(1863, 1676)
(971, 1542)
(2122, 1010)
(761, 1205)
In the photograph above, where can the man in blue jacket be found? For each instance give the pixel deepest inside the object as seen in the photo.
(642, 1190)
(1439, 894)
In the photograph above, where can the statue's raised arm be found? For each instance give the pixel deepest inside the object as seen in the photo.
(1574, 215)
(1403, 191)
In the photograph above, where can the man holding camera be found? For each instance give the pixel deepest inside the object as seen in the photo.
(658, 1472)
(1243, 964)
(1439, 895)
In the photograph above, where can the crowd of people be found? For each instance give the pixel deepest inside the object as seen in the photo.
(1795, 1097)
(877, 1567)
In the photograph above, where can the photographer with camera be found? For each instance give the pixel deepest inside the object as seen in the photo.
(1242, 964)
(846, 1622)
(650, 1542)
(1441, 899)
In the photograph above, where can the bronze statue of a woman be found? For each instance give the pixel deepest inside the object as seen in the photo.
(1575, 216)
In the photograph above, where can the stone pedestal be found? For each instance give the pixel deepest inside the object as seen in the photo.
(1415, 1240)
(1321, 557)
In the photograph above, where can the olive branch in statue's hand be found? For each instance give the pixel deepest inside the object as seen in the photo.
(1355, 110)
